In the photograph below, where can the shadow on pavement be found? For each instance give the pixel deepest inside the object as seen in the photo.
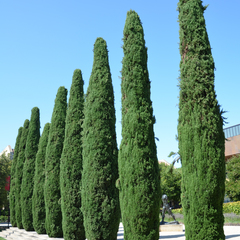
(171, 236)
(232, 236)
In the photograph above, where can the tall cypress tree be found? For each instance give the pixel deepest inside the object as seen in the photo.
(38, 203)
(138, 166)
(29, 169)
(19, 173)
(52, 196)
(100, 203)
(200, 129)
(71, 163)
(13, 179)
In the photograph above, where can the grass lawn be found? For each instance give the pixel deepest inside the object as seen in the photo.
(2, 238)
(231, 218)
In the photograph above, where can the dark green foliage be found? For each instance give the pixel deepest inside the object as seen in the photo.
(100, 203)
(29, 169)
(200, 129)
(53, 223)
(233, 178)
(19, 173)
(138, 165)
(171, 183)
(5, 169)
(13, 179)
(71, 163)
(38, 203)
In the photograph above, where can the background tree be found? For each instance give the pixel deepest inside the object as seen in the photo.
(29, 169)
(100, 202)
(171, 183)
(71, 163)
(13, 179)
(38, 203)
(138, 165)
(200, 129)
(233, 178)
(19, 173)
(5, 169)
(52, 196)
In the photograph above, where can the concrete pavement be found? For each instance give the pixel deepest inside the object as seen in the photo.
(231, 232)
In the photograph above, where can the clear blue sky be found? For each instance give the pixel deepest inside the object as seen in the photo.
(43, 42)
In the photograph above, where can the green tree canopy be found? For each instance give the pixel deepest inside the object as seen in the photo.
(38, 203)
(52, 195)
(71, 163)
(200, 129)
(13, 179)
(5, 169)
(138, 166)
(233, 178)
(100, 199)
(29, 169)
(171, 183)
(19, 173)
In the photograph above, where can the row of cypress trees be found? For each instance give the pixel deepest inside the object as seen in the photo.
(78, 164)
(80, 146)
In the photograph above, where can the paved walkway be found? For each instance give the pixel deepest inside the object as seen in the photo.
(231, 232)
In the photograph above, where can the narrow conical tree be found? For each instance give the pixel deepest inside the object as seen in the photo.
(100, 203)
(52, 196)
(29, 169)
(19, 173)
(13, 179)
(71, 163)
(200, 129)
(38, 203)
(138, 166)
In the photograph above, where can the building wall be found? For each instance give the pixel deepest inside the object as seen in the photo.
(232, 146)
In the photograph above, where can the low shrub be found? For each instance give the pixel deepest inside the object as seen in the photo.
(4, 213)
(177, 210)
(231, 207)
(3, 218)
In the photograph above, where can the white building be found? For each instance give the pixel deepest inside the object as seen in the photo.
(8, 150)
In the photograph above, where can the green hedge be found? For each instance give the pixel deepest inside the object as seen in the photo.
(178, 210)
(231, 207)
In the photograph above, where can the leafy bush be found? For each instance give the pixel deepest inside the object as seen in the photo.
(178, 210)
(233, 178)
(3, 218)
(231, 207)
(171, 183)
